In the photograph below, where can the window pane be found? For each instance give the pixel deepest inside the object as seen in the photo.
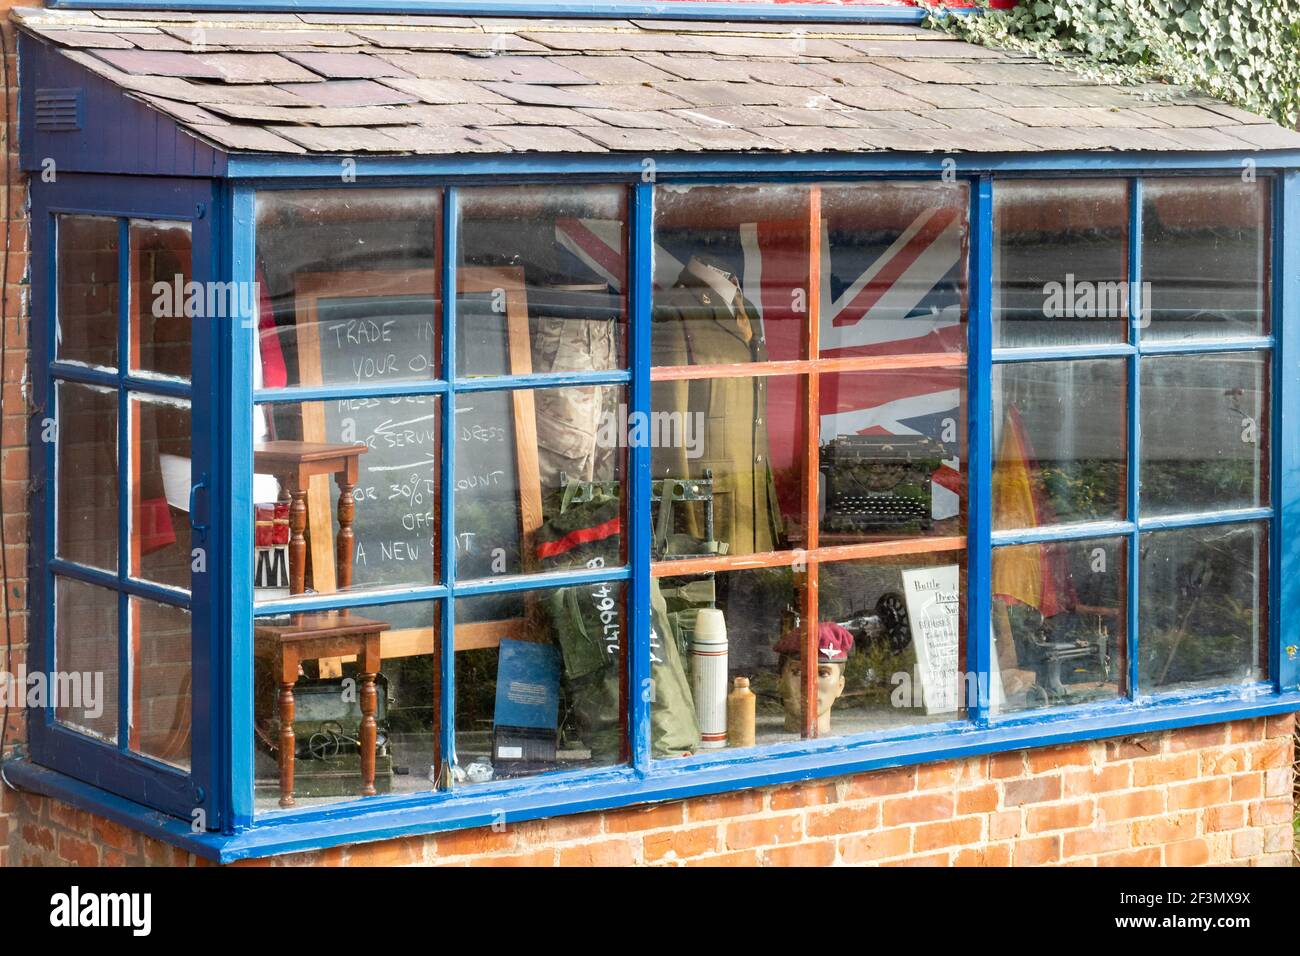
(1205, 257)
(160, 270)
(540, 681)
(85, 658)
(1059, 440)
(897, 268)
(394, 515)
(86, 515)
(907, 617)
(87, 295)
(1061, 262)
(545, 266)
(1204, 432)
(1204, 607)
(731, 451)
(517, 454)
(893, 454)
(160, 491)
(348, 286)
(161, 682)
(1059, 621)
(328, 697)
(731, 274)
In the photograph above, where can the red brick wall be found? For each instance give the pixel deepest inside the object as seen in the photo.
(1216, 795)
(13, 403)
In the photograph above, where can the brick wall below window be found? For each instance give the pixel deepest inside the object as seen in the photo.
(1216, 795)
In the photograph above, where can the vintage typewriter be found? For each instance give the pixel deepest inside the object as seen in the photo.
(879, 483)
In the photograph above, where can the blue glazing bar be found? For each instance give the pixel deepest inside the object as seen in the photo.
(447, 617)
(979, 639)
(350, 599)
(1284, 602)
(1137, 318)
(1068, 532)
(233, 541)
(501, 383)
(106, 378)
(793, 14)
(670, 166)
(329, 393)
(125, 487)
(1063, 353)
(1253, 343)
(641, 282)
(528, 582)
(1202, 519)
(132, 586)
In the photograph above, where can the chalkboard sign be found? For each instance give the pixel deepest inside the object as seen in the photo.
(360, 328)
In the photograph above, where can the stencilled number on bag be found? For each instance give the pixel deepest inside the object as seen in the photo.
(603, 596)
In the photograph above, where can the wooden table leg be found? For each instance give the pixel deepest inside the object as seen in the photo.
(287, 743)
(369, 734)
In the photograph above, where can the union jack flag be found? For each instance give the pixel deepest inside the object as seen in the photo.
(894, 286)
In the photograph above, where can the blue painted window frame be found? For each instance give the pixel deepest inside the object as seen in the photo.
(643, 779)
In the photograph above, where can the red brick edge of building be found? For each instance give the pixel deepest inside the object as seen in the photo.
(1217, 795)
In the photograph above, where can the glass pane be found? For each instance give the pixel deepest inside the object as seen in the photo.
(1061, 262)
(1205, 257)
(1059, 621)
(162, 306)
(544, 268)
(730, 451)
(348, 286)
(1059, 437)
(86, 513)
(160, 491)
(161, 671)
(393, 518)
(893, 454)
(1204, 607)
(87, 295)
(906, 615)
(731, 274)
(84, 691)
(897, 268)
(1204, 432)
(540, 682)
(329, 694)
(534, 466)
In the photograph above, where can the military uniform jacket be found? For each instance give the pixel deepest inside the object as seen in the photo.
(694, 326)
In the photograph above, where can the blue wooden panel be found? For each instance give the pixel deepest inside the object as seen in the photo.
(979, 474)
(685, 10)
(120, 134)
(1284, 611)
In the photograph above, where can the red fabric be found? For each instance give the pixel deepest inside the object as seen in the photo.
(273, 372)
(155, 531)
(834, 643)
(550, 549)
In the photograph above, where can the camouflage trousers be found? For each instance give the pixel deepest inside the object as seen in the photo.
(569, 419)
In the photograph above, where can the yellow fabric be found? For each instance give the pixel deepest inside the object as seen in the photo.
(1018, 570)
(742, 318)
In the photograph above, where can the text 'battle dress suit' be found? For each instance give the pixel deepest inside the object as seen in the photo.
(695, 325)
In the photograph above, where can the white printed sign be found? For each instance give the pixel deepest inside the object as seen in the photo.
(934, 611)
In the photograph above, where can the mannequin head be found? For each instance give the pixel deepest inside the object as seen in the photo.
(834, 643)
(830, 684)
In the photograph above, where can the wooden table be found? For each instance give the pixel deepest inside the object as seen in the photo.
(294, 463)
(310, 636)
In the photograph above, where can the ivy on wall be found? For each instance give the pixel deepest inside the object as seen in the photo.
(1244, 51)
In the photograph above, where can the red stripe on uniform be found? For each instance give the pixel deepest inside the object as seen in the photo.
(550, 549)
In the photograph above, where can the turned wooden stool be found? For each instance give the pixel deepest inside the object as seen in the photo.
(311, 636)
(294, 463)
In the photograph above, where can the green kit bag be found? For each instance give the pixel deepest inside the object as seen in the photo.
(585, 533)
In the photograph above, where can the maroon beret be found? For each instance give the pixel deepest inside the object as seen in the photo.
(834, 643)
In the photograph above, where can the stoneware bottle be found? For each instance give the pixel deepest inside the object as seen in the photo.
(741, 704)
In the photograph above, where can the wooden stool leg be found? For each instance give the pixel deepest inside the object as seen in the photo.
(369, 704)
(286, 744)
(343, 543)
(298, 541)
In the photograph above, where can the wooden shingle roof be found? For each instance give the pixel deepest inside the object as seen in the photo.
(335, 84)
